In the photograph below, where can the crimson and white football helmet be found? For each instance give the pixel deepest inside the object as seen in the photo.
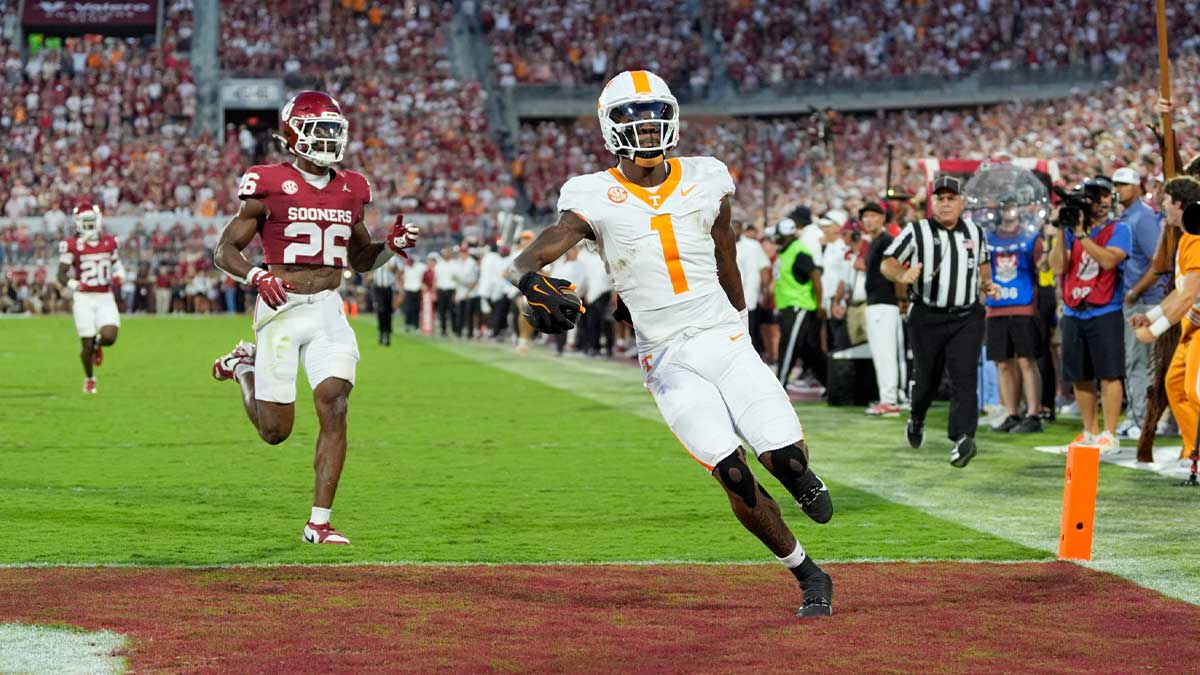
(634, 104)
(87, 219)
(312, 126)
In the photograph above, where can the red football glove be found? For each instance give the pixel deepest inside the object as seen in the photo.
(402, 236)
(271, 288)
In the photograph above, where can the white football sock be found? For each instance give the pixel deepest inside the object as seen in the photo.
(241, 369)
(320, 516)
(794, 558)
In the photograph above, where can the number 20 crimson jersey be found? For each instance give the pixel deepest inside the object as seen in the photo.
(93, 261)
(656, 242)
(305, 225)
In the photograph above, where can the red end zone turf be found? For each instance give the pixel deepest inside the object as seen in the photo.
(980, 617)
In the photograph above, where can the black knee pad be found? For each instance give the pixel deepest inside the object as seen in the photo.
(736, 477)
(789, 463)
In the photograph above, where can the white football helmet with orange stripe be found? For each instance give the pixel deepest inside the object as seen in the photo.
(639, 116)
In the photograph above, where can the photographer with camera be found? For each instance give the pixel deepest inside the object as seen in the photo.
(1090, 262)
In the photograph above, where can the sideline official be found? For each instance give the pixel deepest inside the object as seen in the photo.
(949, 264)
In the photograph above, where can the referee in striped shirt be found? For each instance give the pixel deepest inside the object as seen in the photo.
(948, 265)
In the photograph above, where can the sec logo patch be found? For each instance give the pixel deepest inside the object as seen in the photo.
(289, 187)
(617, 194)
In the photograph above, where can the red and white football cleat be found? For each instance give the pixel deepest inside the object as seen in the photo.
(223, 368)
(323, 534)
(89, 385)
(98, 355)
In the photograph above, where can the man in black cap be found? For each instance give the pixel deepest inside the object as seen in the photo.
(948, 265)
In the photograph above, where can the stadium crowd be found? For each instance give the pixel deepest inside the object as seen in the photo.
(587, 42)
(110, 117)
(839, 161)
(769, 44)
(422, 132)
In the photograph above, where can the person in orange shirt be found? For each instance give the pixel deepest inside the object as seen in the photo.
(1181, 304)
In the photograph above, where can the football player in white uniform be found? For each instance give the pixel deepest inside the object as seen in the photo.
(663, 228)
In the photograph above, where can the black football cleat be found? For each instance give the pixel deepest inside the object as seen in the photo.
(813, 497)
(964, 450)
(818, 594)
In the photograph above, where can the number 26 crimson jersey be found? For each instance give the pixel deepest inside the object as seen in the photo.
(305, 225)
(656, 242)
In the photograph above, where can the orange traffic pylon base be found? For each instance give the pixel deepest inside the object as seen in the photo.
(1079, 502)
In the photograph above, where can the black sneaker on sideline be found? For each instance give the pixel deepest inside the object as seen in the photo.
(1047, 415)
(1029, 425)
(915, 432)
(964, 450)
(1008, 424)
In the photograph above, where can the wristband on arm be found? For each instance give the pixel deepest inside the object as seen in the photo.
(1155, 313)
(1161, 325)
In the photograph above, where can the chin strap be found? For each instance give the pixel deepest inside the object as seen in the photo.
(649, 161)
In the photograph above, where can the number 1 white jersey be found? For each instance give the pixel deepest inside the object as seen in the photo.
(656, 242)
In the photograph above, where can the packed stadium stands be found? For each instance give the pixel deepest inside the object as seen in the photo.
(112, 117)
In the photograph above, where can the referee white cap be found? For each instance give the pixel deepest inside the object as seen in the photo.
(786, 227)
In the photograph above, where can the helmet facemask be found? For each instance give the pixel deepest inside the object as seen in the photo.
(87, 223)
(641, 130)
(320, 140)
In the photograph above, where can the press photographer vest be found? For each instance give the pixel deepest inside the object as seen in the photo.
(1013, 269)
(1086, 283)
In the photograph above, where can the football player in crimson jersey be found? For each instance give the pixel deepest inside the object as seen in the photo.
(97, 272)
(310, 218)
(663, 228)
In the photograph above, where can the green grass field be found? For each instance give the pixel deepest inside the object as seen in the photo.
(465, 453)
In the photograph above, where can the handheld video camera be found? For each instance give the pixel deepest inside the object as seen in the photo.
(1074, 204)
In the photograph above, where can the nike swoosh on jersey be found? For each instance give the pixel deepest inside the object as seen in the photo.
(735, 337)
(684, 193)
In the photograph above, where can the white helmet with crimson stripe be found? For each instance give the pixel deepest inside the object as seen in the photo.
(639, 117)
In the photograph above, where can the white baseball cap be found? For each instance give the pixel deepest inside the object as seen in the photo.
(1127, 175)
(786, 227)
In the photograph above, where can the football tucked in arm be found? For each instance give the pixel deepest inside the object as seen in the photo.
(551, 305)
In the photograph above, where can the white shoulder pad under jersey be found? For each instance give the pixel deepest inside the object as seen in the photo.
(656, 242)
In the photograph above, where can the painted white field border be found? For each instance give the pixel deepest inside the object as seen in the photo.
(59, 650)
(507, 563)
(1166, 460)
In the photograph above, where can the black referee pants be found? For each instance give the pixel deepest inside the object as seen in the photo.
(951, 343)
(800, 338)
(445, 309)
(383, 310)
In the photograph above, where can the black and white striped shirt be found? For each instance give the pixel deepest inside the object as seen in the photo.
(950, 261)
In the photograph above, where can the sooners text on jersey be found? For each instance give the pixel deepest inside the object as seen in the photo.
(305, 225)
(93, 261)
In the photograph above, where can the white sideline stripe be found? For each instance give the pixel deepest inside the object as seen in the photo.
(1166, 459)
(524, 563)
(43, 649)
